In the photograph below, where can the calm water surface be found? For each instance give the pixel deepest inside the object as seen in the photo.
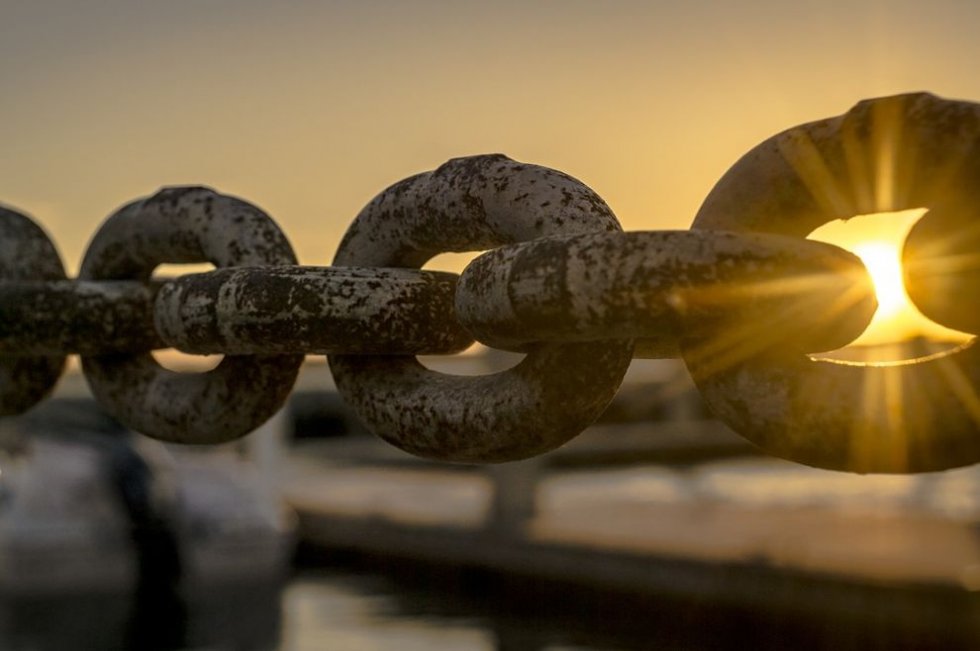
(368, 612)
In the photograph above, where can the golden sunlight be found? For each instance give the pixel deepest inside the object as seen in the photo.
(877, 239)
(883, 261)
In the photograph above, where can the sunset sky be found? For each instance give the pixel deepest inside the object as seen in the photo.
(308, 109)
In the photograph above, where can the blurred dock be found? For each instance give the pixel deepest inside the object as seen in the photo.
(657, 516)
(753, 532)
(677, 508)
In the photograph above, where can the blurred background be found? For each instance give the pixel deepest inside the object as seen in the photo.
(309, 109)
(657, 528)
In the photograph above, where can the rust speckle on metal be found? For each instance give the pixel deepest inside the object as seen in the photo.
(26, 254)
(833, 415)
(470, 204)
(72, 316)
(941, 259)
(313, 310)
(830, 169)
(184, 225)
(656, 286)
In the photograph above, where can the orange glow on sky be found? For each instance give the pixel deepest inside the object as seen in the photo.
(310, 109)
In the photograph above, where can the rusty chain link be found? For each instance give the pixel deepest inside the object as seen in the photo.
(470, 204)
(26, 254)
(832, 414)
(188, 225)
(742, 297)
(655, 286)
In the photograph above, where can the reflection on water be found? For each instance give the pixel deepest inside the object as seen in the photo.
(341, 610)
(334, 610)
(380, 610)
(367, 612)
(769, 514)
(324, 612)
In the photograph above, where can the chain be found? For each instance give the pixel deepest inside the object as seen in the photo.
(742, 297)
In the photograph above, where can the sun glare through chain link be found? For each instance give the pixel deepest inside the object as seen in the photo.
(941, 256)
(884, 155)
(742, 296)
(656, 286)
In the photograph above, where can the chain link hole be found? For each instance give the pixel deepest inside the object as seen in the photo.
(452, 262)
(898, 331)
(165, 271)
(174, 360)
(477, 359)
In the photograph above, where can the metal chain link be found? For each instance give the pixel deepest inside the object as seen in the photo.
(655, 286)
(817, 411)
(470, 204)
(314, 310)
(188, 225)
(743, 297)
(26, 253)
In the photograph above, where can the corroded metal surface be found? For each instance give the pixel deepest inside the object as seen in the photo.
(472, 204)
(249, 310)
(658, 285)
(71, 316)
(917, 416)
(887, 154)
(743, 306)
(184, 225)
(941, 263)
(26, 253)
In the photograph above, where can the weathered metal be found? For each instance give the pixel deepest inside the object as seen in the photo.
(26, 253)
(904, 417)
(185, 225)
(884, 155)
(742, 295)
(472, 204)
(659, 285)
(888, 154)
(313, 310)
(941, 256)
(75, 316)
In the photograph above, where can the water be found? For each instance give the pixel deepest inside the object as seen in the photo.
(407, 609)
(348, 611)
(363, 615)
(383, 605)
(335, 610)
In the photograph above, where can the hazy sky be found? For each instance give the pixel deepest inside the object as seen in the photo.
(310, 108)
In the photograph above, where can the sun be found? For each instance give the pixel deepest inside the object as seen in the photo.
(877, 239)
(883, 262)
(896, 318)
